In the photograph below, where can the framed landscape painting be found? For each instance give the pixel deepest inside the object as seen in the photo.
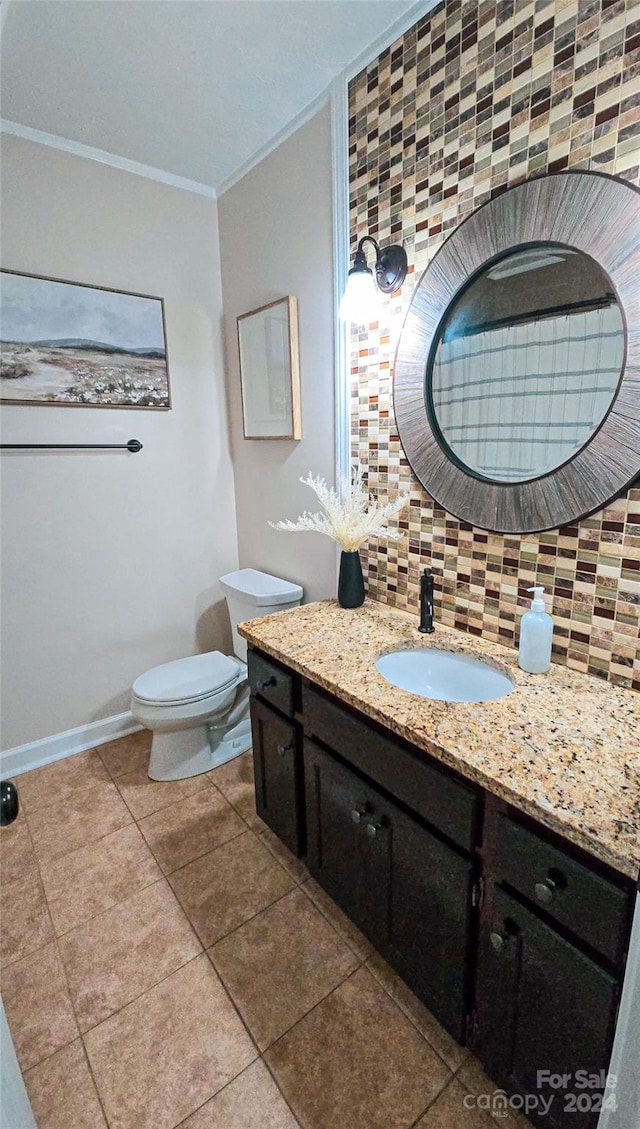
(67, 343)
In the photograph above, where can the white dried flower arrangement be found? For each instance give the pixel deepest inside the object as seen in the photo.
(351, 516)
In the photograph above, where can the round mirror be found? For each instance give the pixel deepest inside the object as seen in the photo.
(527, 363)
(515, 385)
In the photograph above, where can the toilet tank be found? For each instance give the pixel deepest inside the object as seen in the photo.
(251, 594)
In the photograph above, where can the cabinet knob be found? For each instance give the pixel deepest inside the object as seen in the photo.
(263, 683)
(545, 891)
(358, 813)
(282, 749)
(498, 941)
(372, 829)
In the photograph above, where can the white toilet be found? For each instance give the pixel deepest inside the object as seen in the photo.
(198, 707)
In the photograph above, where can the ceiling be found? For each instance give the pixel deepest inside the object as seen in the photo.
(193, 88)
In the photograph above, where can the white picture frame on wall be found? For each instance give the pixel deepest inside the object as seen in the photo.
(270, 371)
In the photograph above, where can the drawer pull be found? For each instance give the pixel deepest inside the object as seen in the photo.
(264, 683)
(498, 941)
(372, 829)
(357, 813)
(545, 891)
(282, 749)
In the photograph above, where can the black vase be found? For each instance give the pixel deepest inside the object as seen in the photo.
(350, 581)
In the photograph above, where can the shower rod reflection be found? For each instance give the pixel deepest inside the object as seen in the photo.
(134, 445)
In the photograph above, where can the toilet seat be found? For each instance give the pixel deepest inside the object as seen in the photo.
(197, 708)
(186, 681)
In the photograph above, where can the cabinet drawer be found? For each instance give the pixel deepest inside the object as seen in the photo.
(593, 908)
(271, 682)
(411, 777)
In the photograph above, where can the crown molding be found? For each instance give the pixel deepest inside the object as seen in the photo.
(78, 149)
(370, 52)
(388, 36)
(296, 123)
(102, 157)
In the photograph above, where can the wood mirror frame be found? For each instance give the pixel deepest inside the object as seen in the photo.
(592, 212)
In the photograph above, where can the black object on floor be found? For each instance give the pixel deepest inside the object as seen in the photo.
(9, 804)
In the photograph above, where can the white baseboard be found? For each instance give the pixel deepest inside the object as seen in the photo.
(23, 758)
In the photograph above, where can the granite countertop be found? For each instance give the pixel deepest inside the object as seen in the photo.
(562, 747)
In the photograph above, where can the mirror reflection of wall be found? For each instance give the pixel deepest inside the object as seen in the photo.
(527, 363)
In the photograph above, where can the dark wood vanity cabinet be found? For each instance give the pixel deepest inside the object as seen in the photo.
(515, 940)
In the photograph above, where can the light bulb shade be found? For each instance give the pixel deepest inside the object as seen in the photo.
(361, 299)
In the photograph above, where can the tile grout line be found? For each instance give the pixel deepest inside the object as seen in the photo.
(89, 842)
(280, 898)
(37, 948)
(99, 913)
(223, 936)
(55, 940)
(343, 980)
(433, 1101)
(363, 960)
(411, 1019)
(262, 835)
(340, 984)
(296, 1117)
(80, 1034)
(83, 1034)
(196, 857)
(288, 1031)
(170, 803)
(150, 987)
(259, 1056)
(216, 1094)
(169, 873)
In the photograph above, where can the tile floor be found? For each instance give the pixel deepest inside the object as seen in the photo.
(166, 962)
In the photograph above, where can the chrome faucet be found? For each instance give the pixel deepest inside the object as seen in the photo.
(426, 602)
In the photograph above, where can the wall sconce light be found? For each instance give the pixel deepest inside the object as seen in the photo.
(361, 298)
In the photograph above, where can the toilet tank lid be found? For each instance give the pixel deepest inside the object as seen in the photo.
(259, 588)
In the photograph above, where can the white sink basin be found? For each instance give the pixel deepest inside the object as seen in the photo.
(444, 675)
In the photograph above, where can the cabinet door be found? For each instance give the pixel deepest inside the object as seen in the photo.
(431, 890)
(278, 773)
(542, 1007)
(407, 891)
(348, 842)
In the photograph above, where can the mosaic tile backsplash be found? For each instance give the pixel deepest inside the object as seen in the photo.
(475, 97)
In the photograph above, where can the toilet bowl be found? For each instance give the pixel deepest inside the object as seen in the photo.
(198, 707)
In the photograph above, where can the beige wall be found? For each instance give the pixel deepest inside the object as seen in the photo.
(276, 239)
(110, 560)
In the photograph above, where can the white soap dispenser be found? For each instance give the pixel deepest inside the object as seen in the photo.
(536, 627)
